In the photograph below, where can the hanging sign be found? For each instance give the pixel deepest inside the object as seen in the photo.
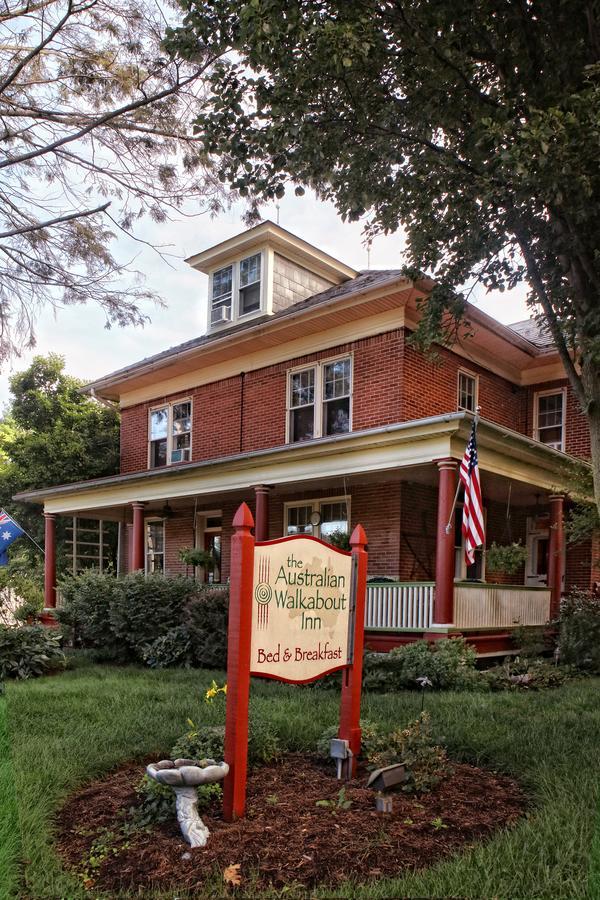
(302, 609)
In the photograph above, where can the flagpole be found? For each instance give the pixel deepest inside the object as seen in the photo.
(449, 525)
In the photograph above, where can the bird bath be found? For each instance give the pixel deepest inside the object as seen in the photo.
(184, 776)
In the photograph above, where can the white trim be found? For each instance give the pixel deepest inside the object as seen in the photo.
(316, 504)
(168, 405)
(475, 377)
(148, 521)
(536, 412)
(319, 400)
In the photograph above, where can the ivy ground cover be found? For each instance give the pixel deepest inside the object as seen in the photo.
(71, 729)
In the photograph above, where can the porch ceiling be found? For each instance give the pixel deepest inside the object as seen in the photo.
(405, 451)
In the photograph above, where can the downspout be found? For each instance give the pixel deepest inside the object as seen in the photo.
(242, 382)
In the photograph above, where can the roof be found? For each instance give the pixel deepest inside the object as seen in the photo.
(365, 280)
(534, 332)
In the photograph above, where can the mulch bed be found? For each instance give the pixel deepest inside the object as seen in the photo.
(286, 838)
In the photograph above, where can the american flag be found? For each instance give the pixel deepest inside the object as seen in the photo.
(472, 523)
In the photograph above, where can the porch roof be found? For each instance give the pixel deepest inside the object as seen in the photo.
(383, 450)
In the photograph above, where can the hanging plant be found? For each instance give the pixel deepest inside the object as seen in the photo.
(507, 558)
(195, 557)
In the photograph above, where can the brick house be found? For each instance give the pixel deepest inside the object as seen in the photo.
(306, 399)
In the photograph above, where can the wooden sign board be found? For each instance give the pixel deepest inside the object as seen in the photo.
(302, 609)
(296, 612)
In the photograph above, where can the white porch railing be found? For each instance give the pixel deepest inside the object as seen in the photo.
(399, 605)
(500, 605)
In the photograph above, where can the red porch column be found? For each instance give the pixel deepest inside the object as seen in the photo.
(261, 519)
(555, 552)
(49, 561)
(443, 604)
(137, 538)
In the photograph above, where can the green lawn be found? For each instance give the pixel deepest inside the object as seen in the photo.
(67, 729)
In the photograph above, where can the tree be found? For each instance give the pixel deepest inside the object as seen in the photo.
(94, 133)
(474, 124)
(52, 434)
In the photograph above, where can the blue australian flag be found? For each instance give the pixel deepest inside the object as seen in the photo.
(9, 532)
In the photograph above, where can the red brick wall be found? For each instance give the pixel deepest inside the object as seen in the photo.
(430, 389)
(393, 382)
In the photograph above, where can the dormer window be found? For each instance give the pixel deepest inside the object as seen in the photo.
(236, 290)
(250, 284)
(222, 286)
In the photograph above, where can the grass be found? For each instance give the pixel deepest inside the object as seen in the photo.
(69, 729)
(9, 826)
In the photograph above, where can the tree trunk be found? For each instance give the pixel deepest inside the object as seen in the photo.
(592, 388)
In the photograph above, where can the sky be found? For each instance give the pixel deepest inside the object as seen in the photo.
(78, 333)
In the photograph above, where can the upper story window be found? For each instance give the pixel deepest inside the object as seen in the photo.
(467, 391)
(549, 418)
(319, 400)
(236, 290)
(170, 436)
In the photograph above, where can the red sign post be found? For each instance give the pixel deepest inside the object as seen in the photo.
(296, 612)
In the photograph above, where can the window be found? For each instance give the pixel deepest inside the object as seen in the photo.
(319, 400)
(236, 290)
(467, 391)
(463, 572)
(549, 418)
(321, 518)
(250, 284)
(171, 434)
(222, 289)
(155, 546)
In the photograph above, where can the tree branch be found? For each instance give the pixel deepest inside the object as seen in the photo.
(56, 221)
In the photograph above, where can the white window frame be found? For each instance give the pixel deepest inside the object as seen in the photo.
(316, 507)
(150, 521)
(169, 405)
(319, 401)
(475, 378)
(236, 315)
(536, 412)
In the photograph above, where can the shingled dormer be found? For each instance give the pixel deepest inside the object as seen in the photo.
(262, 271)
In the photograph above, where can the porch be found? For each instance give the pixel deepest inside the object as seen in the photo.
(398, 482)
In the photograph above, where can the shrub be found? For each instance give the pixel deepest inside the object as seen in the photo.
(144, 608)
(522, 674)
(161, 621)
(87, 600)
(29, 651)
(205, 617)
(448, 663)
(579, 624)
(171, 649)
(425, 761)
(207, 742)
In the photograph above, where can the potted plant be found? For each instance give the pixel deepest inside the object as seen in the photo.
(508, 558)
(199, 559)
